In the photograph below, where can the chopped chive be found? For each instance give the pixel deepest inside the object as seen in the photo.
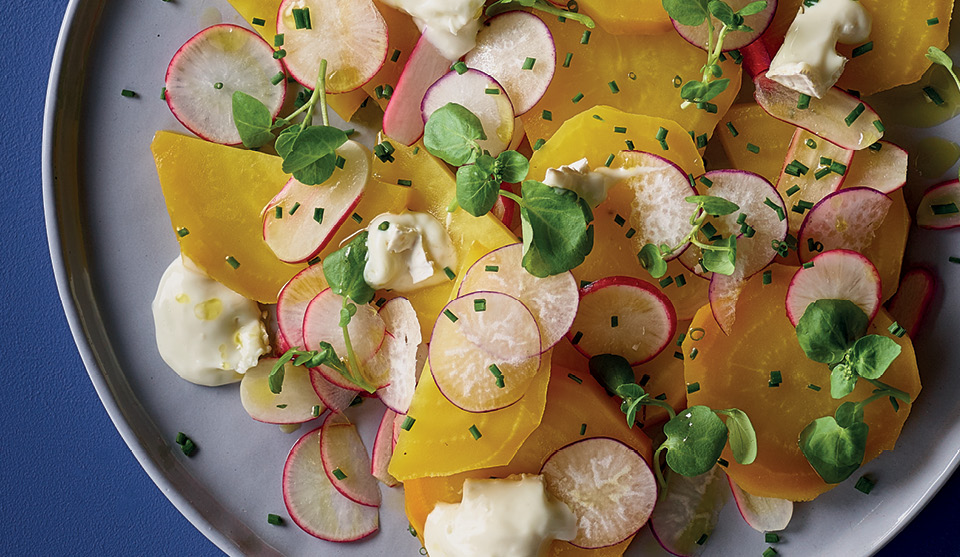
(769, 552)
(945, 209)
(585, 283)
(475, 432)
(614, 321)
(278, 212)
(733, 129)
(380, 302)
(933, 21)
(678, 355)
(662, 133)
(492, 268)
(838, 168)
(257, 21)
(702, 539)
(492, 91)
(775, 379)
(459, 67)
(315, 411)
(706, 181)
(383, 226)
(318, 215)
(619, 129)
(278, 40)
(709, 230)
(895, 404)
(862, 49)
(609, 160)
(583, 429)
(128, 93)
(753, 148)
(338, 473)
(539, 143)
(188, 447)
(340, 162)
(865, 485)
(793, 189)
(737, 57)
(566, 61)
(811, 144)
(314, 261)
(693, 354)
(767, 277)
(933, 95)
(702, 141)
(619, 220)
(181, 438)
(666, 281)
(295, 207)
(803, 102)
(614, 88)
(585, 38)
(547, 115)
(357, 218)
(813, 387)
(822, 173)
(577, 98)
(579, 335)
(953, 259)
(681, 338)
(778, 209)
(680, 281)
(880, 128)
(854, 114)
(306, 18)
(630, 145)
(449, 272)
(710, 108)
(697, 334)
(219, 85)
(395, 55)
(692, 388)
(275, 519)
(528, 63)
(723, 462)
(404, 183)
(664, 146)
(575, 378)
(450, 315)
(407, 423)
(825, 161)
(277, 79)
(479, 305)
(741, 218)
(896, 330)
(232, 261)
(661, 396)
(808, 265)
(163, 93)
(182, 231)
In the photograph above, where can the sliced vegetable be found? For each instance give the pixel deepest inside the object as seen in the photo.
(293, 405)
(847, 219)
(835, 275)
(292, 304)
(882, 167)
(321, 323)
(757, 23)
(808, 175)
(402, 118)
(688, 511)
(940, 207)
(383, 449)
(480, 94)
(763, 514)
(346, 462)
(337, 399)
(910, 304)
(398, 354)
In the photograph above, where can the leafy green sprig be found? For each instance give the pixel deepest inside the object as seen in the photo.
(719, 254)
(326, 356)
(501, 6)
(833, 332)
(695, 13)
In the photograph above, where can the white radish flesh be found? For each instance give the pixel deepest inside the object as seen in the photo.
(698, 35)
(724, 292)
(883, 169)
(763, 514)
(398, 356)
(808, 149)
(402, 119)
(383, 450)
(847, 219)
(483, 96)
(295, 402)
(835, 275)
(608, 486)
(321, 324)
(910, 304)
(346, 462)
(940, 207)
(688, 512)
(337, 399)
(232, 57)
(292, 304)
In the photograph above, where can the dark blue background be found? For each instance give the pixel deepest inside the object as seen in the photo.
(68, 484)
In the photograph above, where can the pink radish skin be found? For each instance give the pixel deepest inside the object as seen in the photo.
(941, 194)
(835, 275)
(314, 504)
(909, 305)
(608, 486)
(646, 320)
(468, 89)
(402, 119)
(235, 57)
(503, 45)
(292, 304)
(847, 219)
(337, 399)
(689, 509)
(763, 514)
(341, 448)
(811, 189)
(697, 36)
(398, 356)
(724, 292)
(884, 170)
(297, 397)
(383, 450)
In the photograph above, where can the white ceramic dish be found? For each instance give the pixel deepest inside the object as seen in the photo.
(110, 240)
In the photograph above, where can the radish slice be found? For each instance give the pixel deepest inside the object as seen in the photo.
(383, 450)
(234, 57)
(909, 305)
(826, 117)
(698, 35)
(314, 503)
(724, 292)
(293, 405)
(847, 219)
(883, 169)
(608, 486)
(402, 119)
(472, 350)
(939, 207)
(808, 150)
(763, 514)
(505, 43)
(473, 90)
(321, 323)
(350, 36)
(552, 300)
(689, 510)
(345, 461)
(398, 355)
(292, 304)
(337, 399)
(835, 275)
(301, 220)
(624, 316)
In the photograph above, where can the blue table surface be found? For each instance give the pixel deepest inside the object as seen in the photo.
(69, 485)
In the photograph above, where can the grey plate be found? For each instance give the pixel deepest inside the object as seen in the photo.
(110, 240)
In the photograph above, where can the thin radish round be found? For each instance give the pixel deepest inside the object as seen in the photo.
(300, 220)
(763, 514)
(724, 292)
(383, 450)
(883, 167)
(910, 304)
(835, 275)
(350, 36)
(402, 119)
(292, 304)
(398, 355)
(516, 49)
(939, 207)
(346, 462)
(608, 486)
(689, 510)
(483, 96)
(209, 68)
(698, 35)
(314, 503)
(484, 351)
(294, 403)
(337, 399)
(624, 316)
(552, 300)
(847, 219)
(321, 324)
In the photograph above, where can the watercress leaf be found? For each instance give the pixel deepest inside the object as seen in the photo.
(713, 89)
(842, 380)
(452, 133)
(872, 355)
(938, 56)
(714, 206)
(652, 260)
(686, 12)
(695, 440)
(744, 28)
(252, 119)
(753, 8)
(723, 257)
(834, 452)
(512, 167)
(317, 172)
(722, 11)
(716, 70)
(343, 270)
(303, 357)
(692, 90)
(486, 163)
(743, 438)
(557, 234)
(848, 414)
(284, 143)
(346, 314)
(829, 327)
(477, 193)
(613, 372)
(630, 391)
(275, 378)
(632, 412)
(310, 145)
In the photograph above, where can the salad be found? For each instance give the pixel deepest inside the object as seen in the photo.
(605, 264)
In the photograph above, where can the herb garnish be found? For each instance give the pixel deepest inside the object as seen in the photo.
(501, 6)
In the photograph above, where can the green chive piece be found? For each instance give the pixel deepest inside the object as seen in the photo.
(232, 261)
(357, 218)
(575, 378)
(577, 98)
(793, 189)
(862, 49)
(583, 429)
(609, 160)
(128, 93)
(614, 321)
(278, 212)
(880, 128)
(315, 411)
(163, 93)
(395, 55)
(723, 462)
(182, 231)
(813, 387)
(277, 79)
(579, 335)
(753, 148)
(945, 209)
(383, 225)
(854, 114)
(803, 102)
(666, 281)
(278, 40)
(314, 261)
(475, 432)
(694, 353)
(492, 91)
(822, 173)
(702, 539)
(539, 143)
(692, 388)
(338, 473)
(614, 88)
(662, 133)
(664, 146)
(630, 145)
(188, 447)
(566, 61)
(953, 259)
(933, 21)
(811, 144)
(449, 272)
(295, 207)
(306, 18)
(775, 379)
(407, 423)
(219, 85)
(733, 129)
(318, 215)
(404, 183)
(631, 233)
(808, 265)
(257, 21)
(680, 281)
(767, 277)
(933, 95)
(769, 552)
(585, 38)
(619, 129)
(865, 485)
(737, 57)
(492, 268)
(380, 302)
(181, 438)
(528, 63)
(706, 181)
(619, 220)
(459, 67)
(450, 315)
(275, 519)
(678, 355)
(479, 305)
(838, 168)
(661, 396)
(702, 141)
(547, 115)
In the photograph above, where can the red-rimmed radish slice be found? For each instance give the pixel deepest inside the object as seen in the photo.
(724, 292)
(481, 95)
(909, 305)
(383, 450)
(398, 356)
(698, 36)
(763, 514)
(847, 219)
(235, 58)
(689, 510)
(505, 43)
(552, 300)
(835, 275)
(293, 405)
(292, 304)
(402, 119)
(826, 117)
(484, 351)
(346, 462)
(300, 220)
(608, 486)
(321, 323)
(625, 316)
(883, 169)
(800, 187)
(659, 211)
(940, 207)
(314, 503)
(337, 399)
(350, 36)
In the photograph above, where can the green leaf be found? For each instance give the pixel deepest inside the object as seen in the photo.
(346, 314)
(310, 145)
(743, 438)
(652, 260)
(834, 452)
(285, 141)
(848, 414)
(452, 133)
(477, 193)
(632, 412)
(613, 372)
(275, 379)
(686, 12)
(714, 206)
(842, 380)
(512, 167)
(722, 256)
(872, 355)
(557, 234)
(713, 89)
(343, 270)
(753, 8)
(722, 11)
(252, 119)
(486, 163)
(695, 440)
(692, 90)
(829, 327)
(317, 172)
(938, 56)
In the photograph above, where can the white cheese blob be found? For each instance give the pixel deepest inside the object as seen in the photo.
(450, 25)
(206, 332)
(591, 185)
(407, 251)
(513, 517)
(808, 61)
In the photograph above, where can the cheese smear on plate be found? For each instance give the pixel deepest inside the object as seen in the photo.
(449, 25)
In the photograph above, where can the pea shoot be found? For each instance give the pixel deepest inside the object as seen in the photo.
(501, 6)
